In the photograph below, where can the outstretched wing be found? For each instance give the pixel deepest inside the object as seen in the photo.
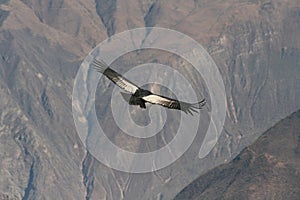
(115, 77)
(175, 104)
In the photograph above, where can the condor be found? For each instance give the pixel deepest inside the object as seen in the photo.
(139, 96)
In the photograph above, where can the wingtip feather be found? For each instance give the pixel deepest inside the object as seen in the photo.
(199, 104)
(99, 65)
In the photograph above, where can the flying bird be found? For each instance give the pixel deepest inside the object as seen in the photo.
(139, 96)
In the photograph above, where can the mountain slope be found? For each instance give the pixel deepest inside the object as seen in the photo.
(267, 169)
(255, 44)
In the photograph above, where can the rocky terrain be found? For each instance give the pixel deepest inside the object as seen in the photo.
(267, 169)
(254, 43)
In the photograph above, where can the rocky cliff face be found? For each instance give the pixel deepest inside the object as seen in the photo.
(255, 44)
(267, 169)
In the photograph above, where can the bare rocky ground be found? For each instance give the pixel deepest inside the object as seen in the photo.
(255, 44)
(267, 169)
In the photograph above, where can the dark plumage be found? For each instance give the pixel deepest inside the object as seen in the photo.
(139, 96)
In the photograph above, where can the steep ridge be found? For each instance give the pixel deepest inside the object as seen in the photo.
(267, 169)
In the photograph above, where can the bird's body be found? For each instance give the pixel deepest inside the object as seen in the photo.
(139, 96)
(136, 98)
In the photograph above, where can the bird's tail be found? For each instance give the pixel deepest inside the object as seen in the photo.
(99, 65)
